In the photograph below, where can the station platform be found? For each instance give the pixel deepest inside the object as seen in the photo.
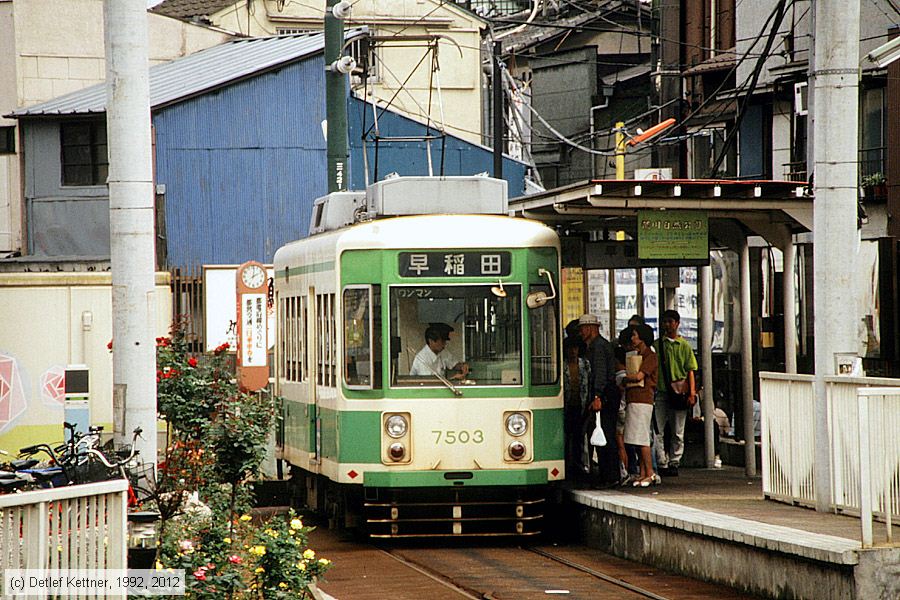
(714, 524)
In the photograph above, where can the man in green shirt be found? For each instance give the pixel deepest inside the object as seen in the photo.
(677, 364)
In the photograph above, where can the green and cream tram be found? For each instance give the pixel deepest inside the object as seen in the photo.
(374, 440)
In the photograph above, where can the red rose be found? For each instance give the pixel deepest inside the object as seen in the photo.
(192, 362)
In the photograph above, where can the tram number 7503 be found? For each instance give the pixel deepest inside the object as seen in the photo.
(462, 436)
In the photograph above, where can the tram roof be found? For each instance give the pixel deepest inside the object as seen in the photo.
(433, 231)
(757, 204)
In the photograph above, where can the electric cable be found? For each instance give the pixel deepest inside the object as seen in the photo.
(781, 7)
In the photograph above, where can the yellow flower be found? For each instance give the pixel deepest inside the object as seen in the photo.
(227, 540)
(283, 585)
(309, 553)
(159, 566)
(296, 524)
(258, 550)
(271, 532)
(259, 570)
(301, 565)
(246, 517)
(324, 562)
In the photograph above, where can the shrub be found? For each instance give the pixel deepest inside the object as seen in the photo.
(217, 441)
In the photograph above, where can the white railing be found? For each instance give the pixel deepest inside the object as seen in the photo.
(788, 444)
(879, 459)
(74, 527)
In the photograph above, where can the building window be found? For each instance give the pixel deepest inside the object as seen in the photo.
(295, 30)
(7, 140)
(872, 134)
(84, 156)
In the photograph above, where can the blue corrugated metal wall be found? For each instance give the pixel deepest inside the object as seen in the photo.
(410, 158)
(242, 165)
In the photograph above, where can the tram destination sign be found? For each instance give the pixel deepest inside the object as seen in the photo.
(673, 235)
(455, 264)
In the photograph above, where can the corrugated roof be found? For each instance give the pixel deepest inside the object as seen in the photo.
(195, 73)
(626, 74)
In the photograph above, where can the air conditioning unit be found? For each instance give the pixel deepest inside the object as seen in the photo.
(653, 174)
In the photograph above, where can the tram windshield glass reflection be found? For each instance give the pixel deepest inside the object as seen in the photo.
(486, 333)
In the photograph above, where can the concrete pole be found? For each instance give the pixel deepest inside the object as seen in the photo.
(131, 219)
(706, 336)
(836, 84)
(789, 252)
(747, 363)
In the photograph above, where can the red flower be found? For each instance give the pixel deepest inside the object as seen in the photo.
(192, 362)
(222, 348)
(235, 559)
(200, 574)
(162, 341)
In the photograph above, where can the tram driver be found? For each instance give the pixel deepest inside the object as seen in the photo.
(434, 359)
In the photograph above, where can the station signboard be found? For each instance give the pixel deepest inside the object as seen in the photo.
(673, 237)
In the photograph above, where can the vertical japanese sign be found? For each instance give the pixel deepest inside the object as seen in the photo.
(572, 293)
(253, 332)
(673, 235)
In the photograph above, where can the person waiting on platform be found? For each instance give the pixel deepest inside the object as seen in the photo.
(640, 388)
(434, 359)
(676, 393)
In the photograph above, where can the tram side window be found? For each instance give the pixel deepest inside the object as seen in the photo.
(544, 341)
(361, 316)
(291, 334)
(326, 340)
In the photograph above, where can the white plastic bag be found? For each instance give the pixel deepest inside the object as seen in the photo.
(598, 438)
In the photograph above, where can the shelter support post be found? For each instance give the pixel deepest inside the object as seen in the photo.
(789, 252)
(747, 363)
(706, 336)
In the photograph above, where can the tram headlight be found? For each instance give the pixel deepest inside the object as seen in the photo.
(516, 424)
(396, 451)
(516, 450)
(396, 426)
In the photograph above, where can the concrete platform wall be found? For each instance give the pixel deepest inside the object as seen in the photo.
(765, 572)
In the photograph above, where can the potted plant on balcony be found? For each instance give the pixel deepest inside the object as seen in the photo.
(874, 185)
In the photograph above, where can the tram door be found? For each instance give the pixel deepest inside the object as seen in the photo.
(314, 350)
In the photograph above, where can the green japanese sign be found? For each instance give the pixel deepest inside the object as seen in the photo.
(673, 235)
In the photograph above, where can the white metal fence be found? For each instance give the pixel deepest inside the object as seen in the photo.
(788, 444)
(74, 527)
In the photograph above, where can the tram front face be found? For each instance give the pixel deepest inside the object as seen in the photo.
(466, 374)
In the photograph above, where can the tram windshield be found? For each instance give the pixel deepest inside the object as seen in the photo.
(456, 335)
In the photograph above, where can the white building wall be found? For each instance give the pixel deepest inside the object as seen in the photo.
(460, 62)
(51, 320)
(781, 138)
(52, 47)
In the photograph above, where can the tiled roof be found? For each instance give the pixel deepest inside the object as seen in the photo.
(186, 9)
(196, 73)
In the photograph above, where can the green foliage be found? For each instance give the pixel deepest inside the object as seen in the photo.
(217, 441)
(873, 179)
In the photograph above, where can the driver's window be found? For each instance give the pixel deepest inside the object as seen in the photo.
(468, 334)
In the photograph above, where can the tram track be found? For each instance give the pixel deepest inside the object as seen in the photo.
(466, 591)
(495, 570)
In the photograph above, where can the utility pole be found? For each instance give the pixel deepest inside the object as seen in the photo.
(834, 80)
(497, 103)
(335, 99)
(131, 222)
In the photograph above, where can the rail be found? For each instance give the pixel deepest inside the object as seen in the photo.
(865, 478)
(74, 527)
